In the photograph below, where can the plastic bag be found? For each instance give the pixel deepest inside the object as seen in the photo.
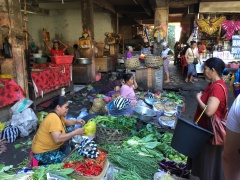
(26, 121)
(82, 113)
(21, 105)
(90, 128)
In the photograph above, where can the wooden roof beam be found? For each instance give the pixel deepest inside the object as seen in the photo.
(146, 6)
(35, 10)
(105, 4)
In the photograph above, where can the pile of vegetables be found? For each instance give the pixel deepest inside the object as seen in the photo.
(173, 97)
(167, 150)
(178, 169)
(149, 129)
(40, 173)
(125, 123)
(133, 164)
(87, 166)
(41, 116)
(145, 146)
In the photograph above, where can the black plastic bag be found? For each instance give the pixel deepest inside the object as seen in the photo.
(7, 49)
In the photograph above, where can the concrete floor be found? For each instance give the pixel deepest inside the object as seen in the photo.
(84, 97)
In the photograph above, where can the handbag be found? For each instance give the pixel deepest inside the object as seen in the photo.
(218, 125)
(195, 60)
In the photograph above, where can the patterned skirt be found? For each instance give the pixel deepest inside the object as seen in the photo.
(50, 157)
(191, 70)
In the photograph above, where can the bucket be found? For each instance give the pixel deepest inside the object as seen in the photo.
(189, 138)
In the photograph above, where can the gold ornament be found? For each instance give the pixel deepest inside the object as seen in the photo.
(211, 25)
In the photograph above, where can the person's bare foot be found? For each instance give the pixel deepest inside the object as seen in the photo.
(167, 81)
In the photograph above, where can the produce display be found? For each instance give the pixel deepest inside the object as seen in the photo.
(40, 173)
(178, 169)
(139, 154)
(172, 97)
(86, 166)
(126, 123)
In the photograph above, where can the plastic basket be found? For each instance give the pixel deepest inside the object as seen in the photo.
(62, 59)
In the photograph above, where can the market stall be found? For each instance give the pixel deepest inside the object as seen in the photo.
(49, 79)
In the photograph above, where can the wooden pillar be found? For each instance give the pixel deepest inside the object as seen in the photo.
(88, 26)
(160, 34)
(11, 26)
(161, 28)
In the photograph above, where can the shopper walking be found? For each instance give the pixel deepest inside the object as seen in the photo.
(166, 54)
(190, 54)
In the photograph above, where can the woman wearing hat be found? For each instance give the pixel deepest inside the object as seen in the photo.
(129, 53)
(166, 54)
(55, 51)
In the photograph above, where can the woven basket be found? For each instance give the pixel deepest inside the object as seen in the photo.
(132, 63)
(110, 136)
(153, 61)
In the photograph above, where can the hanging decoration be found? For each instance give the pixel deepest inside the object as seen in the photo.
(159, 33)
(230, 27)
(211, 25)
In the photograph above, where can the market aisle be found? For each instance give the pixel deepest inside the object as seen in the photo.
(19, 150)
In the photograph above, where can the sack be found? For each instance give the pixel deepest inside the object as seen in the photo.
(26, 121)
(219, 129)
(218, 126)
(195, 61)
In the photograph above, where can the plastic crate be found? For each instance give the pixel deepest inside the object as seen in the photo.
(67, 59)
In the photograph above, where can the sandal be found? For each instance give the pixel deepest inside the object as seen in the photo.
(191, 82)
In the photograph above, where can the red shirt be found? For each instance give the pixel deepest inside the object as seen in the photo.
(56, 53)
(214, 90)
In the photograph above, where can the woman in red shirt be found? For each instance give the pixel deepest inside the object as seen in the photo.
(207, 165)
(55, 51)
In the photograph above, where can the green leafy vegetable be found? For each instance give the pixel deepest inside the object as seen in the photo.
(125, 123)
(40, 172)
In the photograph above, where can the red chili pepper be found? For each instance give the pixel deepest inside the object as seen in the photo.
(69, 165)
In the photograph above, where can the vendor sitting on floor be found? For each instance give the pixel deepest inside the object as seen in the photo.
(48, 143)
(127, 89)
(113, 86)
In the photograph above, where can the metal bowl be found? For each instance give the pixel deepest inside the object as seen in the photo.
(144, 113)
(83, 61)
(150, 101)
